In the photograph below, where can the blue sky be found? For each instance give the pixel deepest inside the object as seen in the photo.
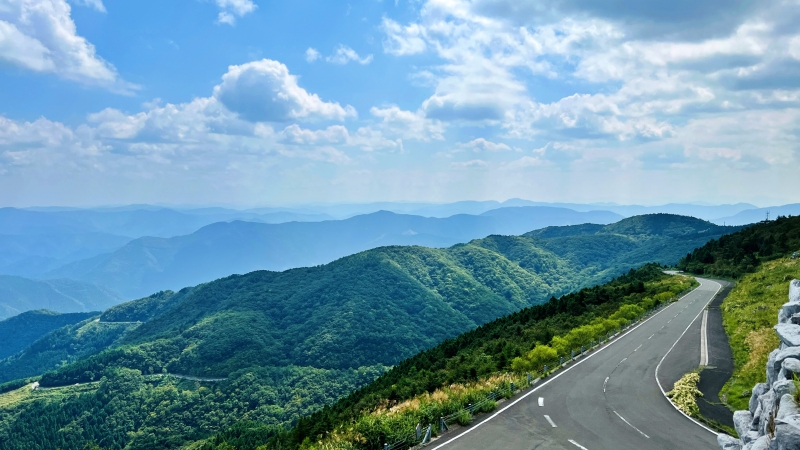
(254, 102)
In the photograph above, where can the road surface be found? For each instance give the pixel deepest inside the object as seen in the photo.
(609, 400)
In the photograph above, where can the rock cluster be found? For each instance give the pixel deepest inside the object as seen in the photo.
(772, 421)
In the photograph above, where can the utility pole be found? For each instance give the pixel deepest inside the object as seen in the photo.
(767, 217)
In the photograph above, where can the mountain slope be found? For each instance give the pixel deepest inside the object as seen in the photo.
(381, 305)
(740, 253)
(19, 332)
(21, 294)
(147, 265)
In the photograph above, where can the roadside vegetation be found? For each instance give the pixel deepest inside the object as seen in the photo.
(760, 259)
(684, 394)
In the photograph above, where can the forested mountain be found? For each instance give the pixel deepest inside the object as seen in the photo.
(438, 381)
(147, 265)
(19, 332)
(740, 253)
(20, 294)
(134, 406)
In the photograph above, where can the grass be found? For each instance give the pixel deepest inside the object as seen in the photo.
(749, 314)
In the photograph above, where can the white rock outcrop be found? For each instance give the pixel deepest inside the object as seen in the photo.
(772, 421)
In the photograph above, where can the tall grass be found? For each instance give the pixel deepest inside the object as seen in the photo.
(749, 314)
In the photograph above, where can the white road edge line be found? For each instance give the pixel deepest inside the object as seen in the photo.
(604, 384)
(577, 445)
(552, 424)
(541, 401)
(668, 352)
(704, 340)
(629, 424)
(555, 377)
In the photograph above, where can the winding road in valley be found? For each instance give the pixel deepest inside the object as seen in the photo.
(609, 400)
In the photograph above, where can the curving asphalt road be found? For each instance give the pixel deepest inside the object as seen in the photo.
(609, 400)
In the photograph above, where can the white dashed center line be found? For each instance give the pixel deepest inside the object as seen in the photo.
(541, 401)
(552, 424)
(623, 419)
(640, 346)
(577, 445)
(604, 384)
(651, 336)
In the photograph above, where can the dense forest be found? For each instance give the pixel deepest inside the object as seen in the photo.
(737, 254)
(20, 331)
(498, 346)
(142, 409)
(281, 345)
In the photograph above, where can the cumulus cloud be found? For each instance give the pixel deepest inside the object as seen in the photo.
(408, 124)
(481, 144)
(402, 40)
(265, 91)
(640, 72)
(39, 35)
(312, 55)
(345, 54)
(231, 9)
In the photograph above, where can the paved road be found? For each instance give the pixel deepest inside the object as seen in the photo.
(610, 400)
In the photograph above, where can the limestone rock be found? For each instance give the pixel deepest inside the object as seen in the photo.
(750, 436)
(741, 421)
(761, 443)
(787, 433)
(728, 442)
(795, 319)
(790, 368)
(787, 311)
(767, 408)
(794, 291)
(772, 370)
(758, 390)
(756, 423)
(783, 387)
(787, 407)
(776, 361)
(789, 334)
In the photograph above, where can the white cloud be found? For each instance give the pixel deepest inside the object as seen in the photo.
(481, 144)
(265, 91)
(39, 35)
(96, 4)
(231, 9)
(312, 55)
(409, 125)
(364, 138)
(344, 55)
(402, 40)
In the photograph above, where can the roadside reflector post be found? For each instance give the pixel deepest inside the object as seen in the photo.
(418, 431)
(469, 407)
(513, 388)
(561, 361)
(530, 379)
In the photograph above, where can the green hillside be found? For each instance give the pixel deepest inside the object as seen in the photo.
(20, 331)
(737, 254)
(61, 347)
(287, 343)
(443, 379)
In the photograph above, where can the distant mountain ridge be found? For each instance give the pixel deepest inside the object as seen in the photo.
(18, 295)
(148, 265)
